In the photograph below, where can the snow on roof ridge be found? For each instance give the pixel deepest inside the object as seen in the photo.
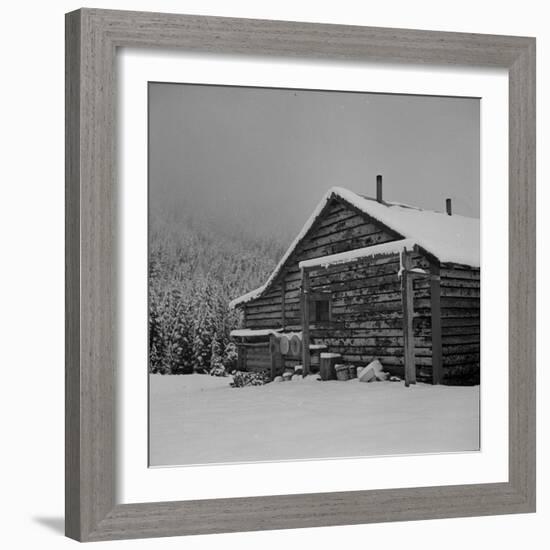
(384, 249)
(248, 296)
(452, 239)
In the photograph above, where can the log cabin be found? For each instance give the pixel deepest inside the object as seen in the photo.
(367, 279)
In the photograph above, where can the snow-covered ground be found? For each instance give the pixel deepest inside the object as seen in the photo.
(198, 419)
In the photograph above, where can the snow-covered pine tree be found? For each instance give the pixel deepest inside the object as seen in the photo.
(216, 360)
(195, 269)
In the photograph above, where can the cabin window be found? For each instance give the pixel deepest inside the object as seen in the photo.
(320, 310)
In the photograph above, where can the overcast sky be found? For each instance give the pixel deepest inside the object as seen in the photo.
(261, 159)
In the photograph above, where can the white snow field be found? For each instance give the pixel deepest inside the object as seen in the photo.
(200, 419)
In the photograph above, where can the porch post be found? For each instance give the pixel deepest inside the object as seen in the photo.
(408, 312)
(304, 300)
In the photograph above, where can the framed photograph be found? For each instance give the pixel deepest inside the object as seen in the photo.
(300, 275)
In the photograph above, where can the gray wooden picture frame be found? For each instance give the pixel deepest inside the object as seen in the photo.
(92, 39)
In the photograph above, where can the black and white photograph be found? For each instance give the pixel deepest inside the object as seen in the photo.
(314, 274)
(270, 275)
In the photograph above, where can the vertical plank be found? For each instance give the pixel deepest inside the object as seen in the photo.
(276, 356)
(73, 524)
(522, 273)
(437, 350)
(272, 356)
(408, 312)
(304, 295)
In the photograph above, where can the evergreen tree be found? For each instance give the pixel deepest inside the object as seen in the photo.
(193, 274)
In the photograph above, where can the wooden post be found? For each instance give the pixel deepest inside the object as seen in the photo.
(437, 350)
(283, 300)
(275, 355)
(407, 297)
(304, 297)
(241, 357)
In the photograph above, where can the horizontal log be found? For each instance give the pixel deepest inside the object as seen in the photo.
(467, 303)
(388, 307)
(378, 351)
(453, 339)
(343, 245)
(346, 224)
(390, 322)
(373, 342)
(458, 359)
(460, 283)
(264, 301)
(344, 332)
(471, 332)
(355, 333)
(263, 315)
(367, 298)
(262, 323)
(273, 304)
(460, 322)
(467, 365)
(255, 310)
(459, 292)
(333, 218)
(349, 317)
(377, 277)
(458, 349)
(357, 269)
(270, 311)
(383, 341)
(340, 234)
(382, 283)
(459, 313)
(459, 274)
(366, 292)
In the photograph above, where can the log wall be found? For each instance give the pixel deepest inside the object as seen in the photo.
(338, 229)
(460, 324)
(367, 318)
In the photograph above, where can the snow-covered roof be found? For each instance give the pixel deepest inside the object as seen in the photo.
(452, 239)
(384, 249)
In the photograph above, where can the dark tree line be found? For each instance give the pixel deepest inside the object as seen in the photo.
(194, 272)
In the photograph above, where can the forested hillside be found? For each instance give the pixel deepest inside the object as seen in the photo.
(195, 269)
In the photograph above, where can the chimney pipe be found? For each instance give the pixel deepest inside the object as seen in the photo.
(449, 207)
(379, 188)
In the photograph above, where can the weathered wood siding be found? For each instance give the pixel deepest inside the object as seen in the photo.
(338, 229)
(367, 315)
(460, 321)
(366, 318)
